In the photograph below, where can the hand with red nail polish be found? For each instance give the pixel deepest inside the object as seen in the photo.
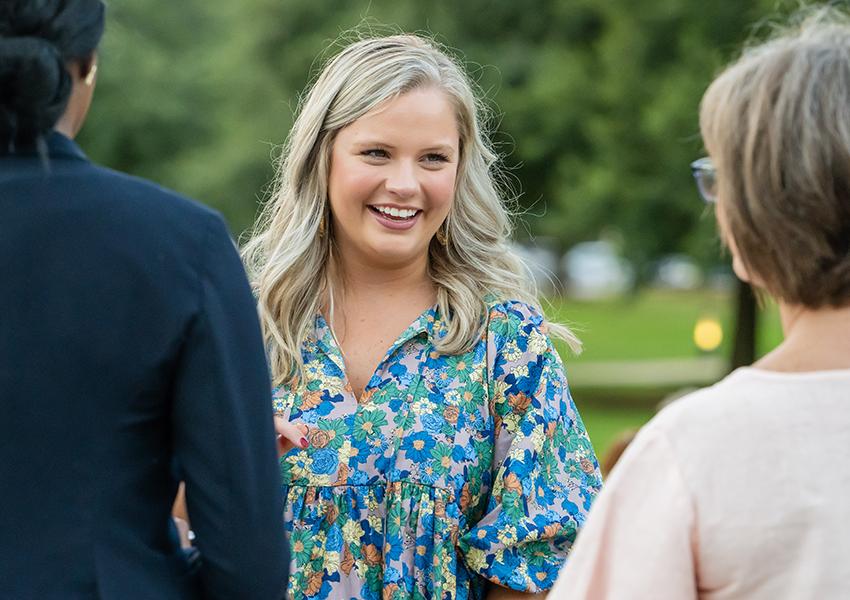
(290, 435)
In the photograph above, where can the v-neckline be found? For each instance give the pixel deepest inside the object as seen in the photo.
(328, 342)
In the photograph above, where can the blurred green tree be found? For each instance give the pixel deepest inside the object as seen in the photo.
(595, 103)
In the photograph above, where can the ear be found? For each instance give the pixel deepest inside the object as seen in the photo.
(88, 68)
(740, 268)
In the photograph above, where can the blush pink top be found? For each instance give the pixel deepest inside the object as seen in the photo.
(741, 490)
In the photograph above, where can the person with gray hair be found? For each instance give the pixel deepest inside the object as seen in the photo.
(740, 490)
(443, 453)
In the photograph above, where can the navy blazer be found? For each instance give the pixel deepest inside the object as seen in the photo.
(130, 358)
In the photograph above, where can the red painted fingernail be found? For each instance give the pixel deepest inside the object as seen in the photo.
(304, 442)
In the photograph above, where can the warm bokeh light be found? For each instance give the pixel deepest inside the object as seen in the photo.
(708, 334)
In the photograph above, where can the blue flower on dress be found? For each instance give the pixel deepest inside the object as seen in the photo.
(325, 590)
(398, 370)
(325, 461)
(334, 540)
(383, 463)
(392, 551)
(443, 377)
(422, 551)
(330, 369)
(521, 468)
(433, 423)
(428, 475)
(399, 474)
(310, 417)
(527, 425)
(418, 446)
(508, 570)
(469, 451)
(544, 575)
(327, 405)
(358, 477)
(391, 575)
(368, 593)
(545, 495)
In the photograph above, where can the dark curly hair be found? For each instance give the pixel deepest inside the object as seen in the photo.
(37, 39)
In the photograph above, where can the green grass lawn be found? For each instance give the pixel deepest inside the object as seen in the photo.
(654, 324)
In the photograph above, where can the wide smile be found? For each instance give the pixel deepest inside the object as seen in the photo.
(393, 217)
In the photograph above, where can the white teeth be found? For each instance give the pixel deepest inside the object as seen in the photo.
(399, 213)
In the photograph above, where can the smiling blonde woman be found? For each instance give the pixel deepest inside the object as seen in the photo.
(443, 450)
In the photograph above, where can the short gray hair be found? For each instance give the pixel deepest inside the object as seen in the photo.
(777, 125)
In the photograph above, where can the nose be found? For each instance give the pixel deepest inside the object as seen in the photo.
(401, 180)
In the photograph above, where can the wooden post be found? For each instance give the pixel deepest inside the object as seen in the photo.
(746, 322)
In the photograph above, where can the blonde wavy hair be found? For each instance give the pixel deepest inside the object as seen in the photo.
(291, 247)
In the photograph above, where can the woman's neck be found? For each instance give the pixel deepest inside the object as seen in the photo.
(360, 281)
(815, 340)
(368, 301)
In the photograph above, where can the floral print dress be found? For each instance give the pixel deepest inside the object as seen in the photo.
(450, 471)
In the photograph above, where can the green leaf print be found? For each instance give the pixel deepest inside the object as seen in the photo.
(368, 423)
(512, 505)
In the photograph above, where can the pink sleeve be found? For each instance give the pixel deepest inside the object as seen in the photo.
(639, 539)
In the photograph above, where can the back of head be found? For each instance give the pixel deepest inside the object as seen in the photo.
(777, 126)
(38, 38)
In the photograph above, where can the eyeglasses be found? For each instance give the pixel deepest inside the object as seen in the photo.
(706, 178)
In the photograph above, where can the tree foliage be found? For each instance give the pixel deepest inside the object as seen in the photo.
(596, 101)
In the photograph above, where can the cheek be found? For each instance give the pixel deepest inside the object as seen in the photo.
(738, 266)
(350, 186)
(441, 191)
(722, 229)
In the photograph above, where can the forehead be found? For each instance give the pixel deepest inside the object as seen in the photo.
(422, 115)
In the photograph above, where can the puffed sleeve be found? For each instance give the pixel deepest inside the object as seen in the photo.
(545, 471)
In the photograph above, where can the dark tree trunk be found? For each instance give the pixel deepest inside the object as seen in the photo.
(746, 318)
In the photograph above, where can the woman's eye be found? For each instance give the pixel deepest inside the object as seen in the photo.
(436, 157)
(375, 153)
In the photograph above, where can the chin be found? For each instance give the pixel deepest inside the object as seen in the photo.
(393, 253)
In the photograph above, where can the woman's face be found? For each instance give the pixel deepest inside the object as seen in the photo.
(392, 179)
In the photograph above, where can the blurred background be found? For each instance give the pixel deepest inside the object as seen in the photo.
(594, 109)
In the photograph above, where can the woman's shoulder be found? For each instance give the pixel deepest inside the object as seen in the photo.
(134, 193)
(742, 410)
(517, 310)
(705, 405)
(749, 394)
(517, 331)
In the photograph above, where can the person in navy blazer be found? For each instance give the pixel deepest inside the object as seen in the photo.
(130, 357)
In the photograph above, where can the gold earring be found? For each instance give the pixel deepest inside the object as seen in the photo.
(89, 80)
(442, 236)
(322, 226)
